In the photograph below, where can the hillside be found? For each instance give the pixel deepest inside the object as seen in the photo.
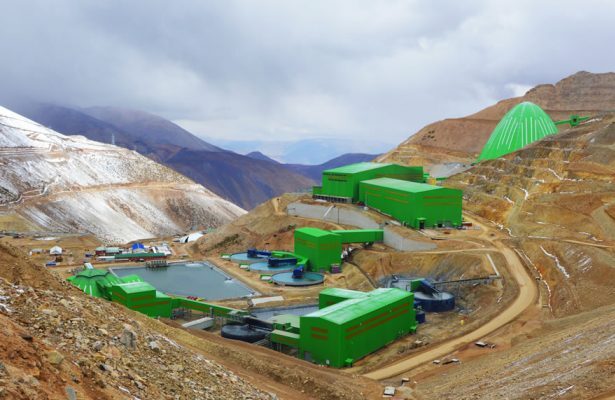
(555, 201)
(241, 179)
(252, 181)
(149, 128)
(68, 183)
(461, 139)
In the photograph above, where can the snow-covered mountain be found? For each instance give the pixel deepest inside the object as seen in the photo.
(69, 183)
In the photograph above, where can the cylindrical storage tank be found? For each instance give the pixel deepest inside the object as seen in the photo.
(242, 332)
(436, 302)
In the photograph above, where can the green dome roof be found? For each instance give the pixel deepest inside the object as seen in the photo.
(91, 280)
(524, 124)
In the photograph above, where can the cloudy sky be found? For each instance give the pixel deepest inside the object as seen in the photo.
(361, 69)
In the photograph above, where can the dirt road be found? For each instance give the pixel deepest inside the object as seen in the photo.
(527, 295)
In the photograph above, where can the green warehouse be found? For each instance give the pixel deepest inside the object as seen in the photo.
(342, 184)
(323, 248)
(415, 204)
(350, 325)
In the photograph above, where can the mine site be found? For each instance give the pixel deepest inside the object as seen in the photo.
(473, 260)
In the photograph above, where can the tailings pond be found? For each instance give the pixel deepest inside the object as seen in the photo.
(199, 279)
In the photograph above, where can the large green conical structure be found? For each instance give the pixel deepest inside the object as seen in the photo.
(524, 124)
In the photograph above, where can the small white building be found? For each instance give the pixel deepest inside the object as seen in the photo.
(55, 251)
(191, 237)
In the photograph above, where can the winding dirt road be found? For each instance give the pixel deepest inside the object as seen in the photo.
(528, 292)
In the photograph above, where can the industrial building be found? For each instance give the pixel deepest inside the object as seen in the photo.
(324, 248)
(525, 123)
(394, 190)
(342, 184)
(348, 325)
(132, 292)
(415, 204)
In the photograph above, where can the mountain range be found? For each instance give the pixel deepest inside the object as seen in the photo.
(246, 180)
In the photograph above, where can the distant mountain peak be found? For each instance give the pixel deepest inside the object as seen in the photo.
(257, 155)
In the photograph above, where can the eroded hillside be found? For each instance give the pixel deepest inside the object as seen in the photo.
(68, 183)
(555, 199)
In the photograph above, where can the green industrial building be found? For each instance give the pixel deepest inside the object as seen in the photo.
(323, 248)
(348, 325)
(132, 292)
(342, 184)
(525, 123)
(417, 205)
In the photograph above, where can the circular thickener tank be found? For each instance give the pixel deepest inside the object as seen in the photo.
(242, 332)
(436, 302)
(264, 267)
(242, 258)
(308, 279)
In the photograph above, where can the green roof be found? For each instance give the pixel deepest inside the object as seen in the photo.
(135, 287)
(131, 278)
(315, 232)
(343, 293)
(291, 319)
(91, 281)
(406, 186)
(524, 124)
(349, 310)
(355, 168)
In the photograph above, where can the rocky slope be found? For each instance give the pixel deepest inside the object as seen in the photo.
(555, 199)
(62, 183)
(57, 341)
(461, 139)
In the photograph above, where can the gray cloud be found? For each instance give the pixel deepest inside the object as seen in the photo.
(288, 69)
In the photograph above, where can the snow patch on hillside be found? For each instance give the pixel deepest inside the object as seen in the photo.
(70, 183)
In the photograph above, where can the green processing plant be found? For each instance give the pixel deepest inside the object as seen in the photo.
(348, 325)
(393, 190)
(322, 248)
(415, 204)
(132, 292)
(342, 184)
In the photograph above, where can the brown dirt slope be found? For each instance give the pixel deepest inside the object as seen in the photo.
(569, 358)
(461, 139)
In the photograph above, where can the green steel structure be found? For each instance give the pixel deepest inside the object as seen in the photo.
(94, 281)
(348, 325)
(342, 184)
(523, 124)
(143, 297)
(132, 292)
(415, 204)
(323, 248)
